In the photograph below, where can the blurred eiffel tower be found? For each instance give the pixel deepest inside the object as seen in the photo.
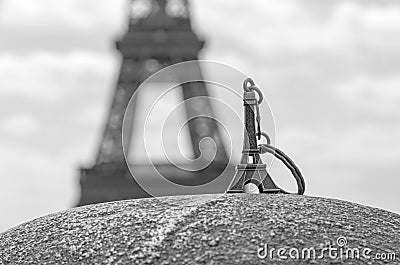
(159, 35)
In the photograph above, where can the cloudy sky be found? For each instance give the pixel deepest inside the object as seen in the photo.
(330, 71)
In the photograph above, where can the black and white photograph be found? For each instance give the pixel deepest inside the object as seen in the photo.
(199, 132)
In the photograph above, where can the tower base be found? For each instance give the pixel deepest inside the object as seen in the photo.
(256, 174)
(114, 182)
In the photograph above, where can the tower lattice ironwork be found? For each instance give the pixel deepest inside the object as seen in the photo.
(159, 34)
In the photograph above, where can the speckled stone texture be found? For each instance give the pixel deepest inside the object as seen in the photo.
(206, 229)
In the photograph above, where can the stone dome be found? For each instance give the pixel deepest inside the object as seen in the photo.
(208, 229)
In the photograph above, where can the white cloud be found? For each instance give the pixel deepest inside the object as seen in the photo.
(33, 183)
(63, 25)
(375, 17)
(366, 145)
(270, 31)
(51, 76)
(19, 125)
(377, 94)
(93, 115)
(80, 15)
(385, 88)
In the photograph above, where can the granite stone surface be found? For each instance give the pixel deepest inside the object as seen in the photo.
(207, 229)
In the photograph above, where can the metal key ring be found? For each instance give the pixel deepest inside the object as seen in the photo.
(266, 136)
(245, 84)
(252, 87)
(260, 95)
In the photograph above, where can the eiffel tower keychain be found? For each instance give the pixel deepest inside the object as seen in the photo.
(251, 174)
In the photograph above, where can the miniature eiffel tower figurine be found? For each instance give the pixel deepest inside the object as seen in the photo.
(251, 174)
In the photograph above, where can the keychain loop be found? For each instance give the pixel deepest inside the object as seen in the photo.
(266, 148)
(266, 136)
(245, 84)
(252, 87)
(260, 94)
